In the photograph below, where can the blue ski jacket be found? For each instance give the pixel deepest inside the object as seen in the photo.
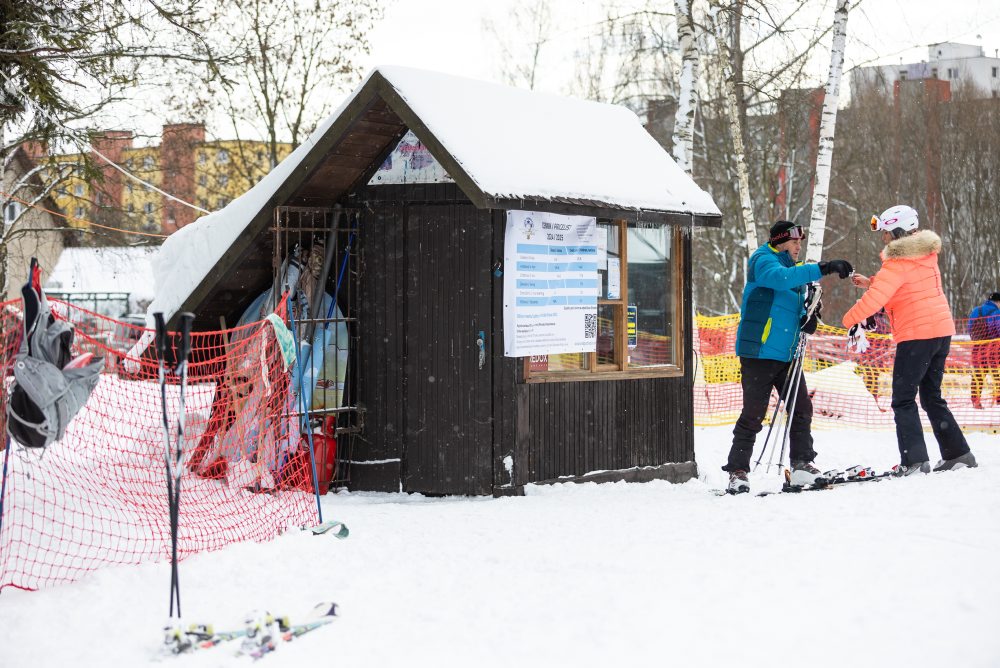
(984, 322)
(773, 304)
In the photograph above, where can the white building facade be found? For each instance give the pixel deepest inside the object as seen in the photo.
(948, 61)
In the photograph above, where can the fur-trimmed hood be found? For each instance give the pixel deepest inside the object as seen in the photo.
(917, 245)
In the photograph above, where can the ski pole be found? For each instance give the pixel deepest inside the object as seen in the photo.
(331, 243)
(3, 484)
(185, 321)
(770, 427)
(329, 314)
(814, 297)
(793, 375)
(305, 410)
(782, 417)
(794, 396)
(161, 353)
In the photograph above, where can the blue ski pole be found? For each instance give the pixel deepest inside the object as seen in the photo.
(304, 409)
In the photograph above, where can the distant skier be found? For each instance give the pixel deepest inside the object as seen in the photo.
(908, 286)
(984, 330)
(771, 319)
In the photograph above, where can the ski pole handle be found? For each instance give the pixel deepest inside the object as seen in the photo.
(161, 336)
(186, 320)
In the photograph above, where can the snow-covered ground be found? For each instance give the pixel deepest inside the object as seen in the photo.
(891, 573)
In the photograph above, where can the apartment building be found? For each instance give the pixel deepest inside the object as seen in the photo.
(947, 61)
(209, 174)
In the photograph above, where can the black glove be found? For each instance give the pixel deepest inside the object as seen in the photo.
(869, 324)
(842, 268)
(809, 323)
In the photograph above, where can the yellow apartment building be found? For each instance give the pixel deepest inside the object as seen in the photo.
(208, 174)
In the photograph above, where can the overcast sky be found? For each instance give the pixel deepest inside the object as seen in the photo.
(447, 35)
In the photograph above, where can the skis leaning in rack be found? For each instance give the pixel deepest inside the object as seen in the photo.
(173, 452)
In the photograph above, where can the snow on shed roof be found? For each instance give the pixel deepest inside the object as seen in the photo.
(509, 145)
(522, 144)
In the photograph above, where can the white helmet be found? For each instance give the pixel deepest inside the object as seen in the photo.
(897, 218)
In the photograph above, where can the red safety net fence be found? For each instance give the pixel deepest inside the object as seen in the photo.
(848, 390)
(98, 496)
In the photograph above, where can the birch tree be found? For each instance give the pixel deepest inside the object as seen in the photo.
(736, 126)
(687, 96)
(827, 130)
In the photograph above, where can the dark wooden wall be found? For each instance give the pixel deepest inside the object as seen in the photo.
(449, 397)
(438, 423)
(381, 311)
(425, 294)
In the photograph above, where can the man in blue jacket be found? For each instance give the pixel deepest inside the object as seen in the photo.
(771, 318)
(984, 330)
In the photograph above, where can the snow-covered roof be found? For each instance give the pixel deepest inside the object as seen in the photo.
(522, 144)
(502, 145)
(106, 269)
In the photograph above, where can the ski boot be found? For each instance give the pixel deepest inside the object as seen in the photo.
(901, 471)
(804, 474)
(738, 483)
(960, 462)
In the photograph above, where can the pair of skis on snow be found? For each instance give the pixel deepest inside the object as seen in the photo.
(261, 633)
(828, 480)
(831, 479)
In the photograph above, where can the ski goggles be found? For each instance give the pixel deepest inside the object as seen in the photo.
(875, 222)
(795, 232)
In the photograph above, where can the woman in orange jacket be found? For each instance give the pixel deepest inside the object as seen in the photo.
(908, 286)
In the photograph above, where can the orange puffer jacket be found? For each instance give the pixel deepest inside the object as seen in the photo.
(909, 287)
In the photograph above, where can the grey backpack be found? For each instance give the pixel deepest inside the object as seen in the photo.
(50, 387)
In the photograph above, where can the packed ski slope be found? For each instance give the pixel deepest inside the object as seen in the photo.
(891, 573)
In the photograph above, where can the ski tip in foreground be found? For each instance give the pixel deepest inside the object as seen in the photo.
(325, 609)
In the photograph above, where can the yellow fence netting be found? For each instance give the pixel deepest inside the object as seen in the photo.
(847, 389)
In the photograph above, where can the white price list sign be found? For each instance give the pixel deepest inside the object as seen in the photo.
(550, 285)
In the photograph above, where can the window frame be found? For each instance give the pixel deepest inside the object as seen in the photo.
(619, 369)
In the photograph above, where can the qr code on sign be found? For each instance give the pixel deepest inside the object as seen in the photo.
(589, 325)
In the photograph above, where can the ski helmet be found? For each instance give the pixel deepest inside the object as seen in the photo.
(897, 218)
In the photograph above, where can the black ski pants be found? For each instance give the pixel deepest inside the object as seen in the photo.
(758, 377)
(919, 369)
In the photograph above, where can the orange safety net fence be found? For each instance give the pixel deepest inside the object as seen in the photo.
(848, 390)
(98, 497)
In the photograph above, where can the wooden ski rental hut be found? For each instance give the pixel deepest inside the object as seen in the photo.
(512, 269)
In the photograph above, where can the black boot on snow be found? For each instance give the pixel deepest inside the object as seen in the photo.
(960, 462)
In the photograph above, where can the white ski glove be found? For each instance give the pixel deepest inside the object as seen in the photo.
(857, 342)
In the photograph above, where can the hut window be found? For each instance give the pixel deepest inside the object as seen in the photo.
(638, 310)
